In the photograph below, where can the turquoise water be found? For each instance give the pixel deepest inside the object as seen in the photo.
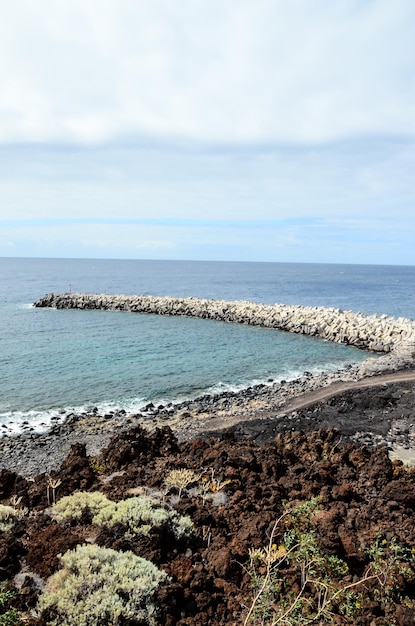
(70, 360)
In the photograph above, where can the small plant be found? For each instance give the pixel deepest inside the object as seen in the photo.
(8, 517)
(20, 511)
(74, 507)
(8, 615)
(98, 466)
(181, 479)
(141, 515)
(101, 587)
(211, 488)
(392, 564)
(15, 500)
(323, 587)
(215, 484)
(51, 487)
(208, 487)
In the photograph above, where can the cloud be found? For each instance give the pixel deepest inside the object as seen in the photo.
(339, 238)
(235, 185)
(169, 222)
(210, 71)
(266, 130)
(344, 202)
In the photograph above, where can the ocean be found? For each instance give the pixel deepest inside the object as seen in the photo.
(55, 361)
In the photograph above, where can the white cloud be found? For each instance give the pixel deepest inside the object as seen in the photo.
(361, 179)
(208, 70)
(187, 120)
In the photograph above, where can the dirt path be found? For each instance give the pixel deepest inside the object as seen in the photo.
(310, 398)
(321, 395)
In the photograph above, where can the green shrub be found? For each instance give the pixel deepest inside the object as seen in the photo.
(8, 615)
(137, 515)
(101, 587)
(322, 585)
(142, 514)
(72, 508)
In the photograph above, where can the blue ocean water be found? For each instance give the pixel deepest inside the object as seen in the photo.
(70, 360)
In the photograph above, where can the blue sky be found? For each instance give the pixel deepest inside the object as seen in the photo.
(258, 130)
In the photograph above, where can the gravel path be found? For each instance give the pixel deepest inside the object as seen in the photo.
(310, 398)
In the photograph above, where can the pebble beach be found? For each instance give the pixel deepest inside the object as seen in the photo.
(257, 410)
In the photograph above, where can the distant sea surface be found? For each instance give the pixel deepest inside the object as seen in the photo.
(74, 360)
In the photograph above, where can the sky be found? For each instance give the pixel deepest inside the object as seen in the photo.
(242, 130)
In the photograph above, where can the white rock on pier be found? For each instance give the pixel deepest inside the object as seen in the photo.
(378, 333)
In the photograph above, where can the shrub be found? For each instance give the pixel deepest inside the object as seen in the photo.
(181, 479)
(319, 583)
(138, 516)
(141, 515)
(209, 488)
(78, 505)
(101, 587)
(8, 616)
(8, 517)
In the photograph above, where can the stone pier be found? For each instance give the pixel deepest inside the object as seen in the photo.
(377, 333)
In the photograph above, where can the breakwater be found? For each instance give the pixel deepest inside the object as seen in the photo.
(377, 333)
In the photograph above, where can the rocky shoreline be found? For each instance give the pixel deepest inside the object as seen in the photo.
(30, 452)
(259, 412)
(266, 408)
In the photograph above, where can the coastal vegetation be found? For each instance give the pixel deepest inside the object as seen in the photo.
(134, 517)
(9, 616)
(308, 529)
(101, 586)
(324, 585)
